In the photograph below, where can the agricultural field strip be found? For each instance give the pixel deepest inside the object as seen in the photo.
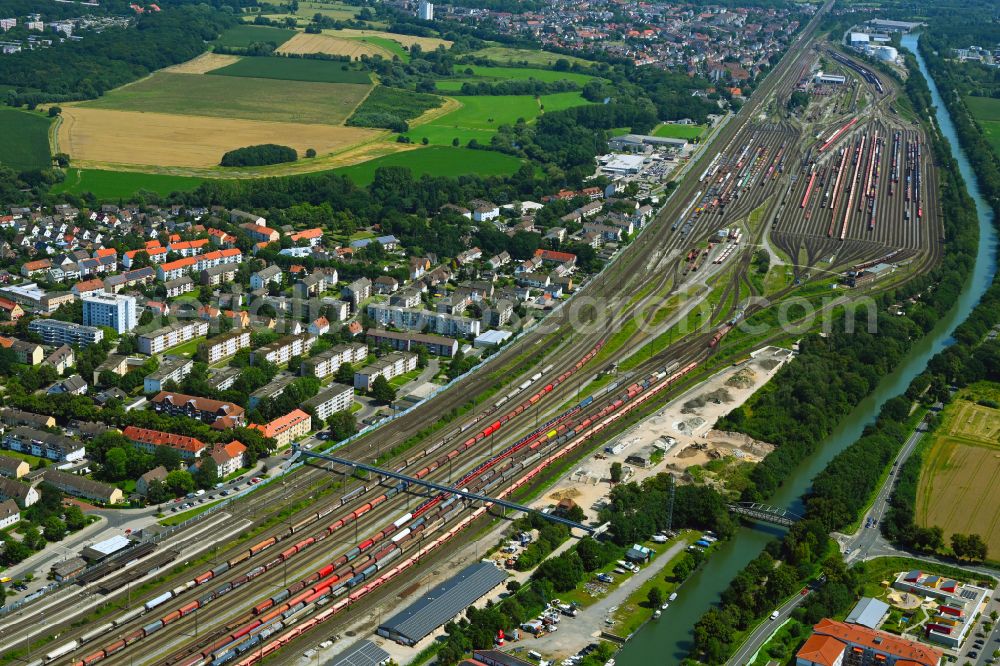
(232, 97)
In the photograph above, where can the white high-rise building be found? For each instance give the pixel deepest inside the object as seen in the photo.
(113, 310)
(426, 11)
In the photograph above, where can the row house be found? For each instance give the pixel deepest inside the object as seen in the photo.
(147, 440)
(44, 444)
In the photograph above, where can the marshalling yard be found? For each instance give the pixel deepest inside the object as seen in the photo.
(317, 549)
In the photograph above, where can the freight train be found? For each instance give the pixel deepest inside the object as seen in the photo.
(268, 543)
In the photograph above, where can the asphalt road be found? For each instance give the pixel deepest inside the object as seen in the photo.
(763, 632)
(868, 542)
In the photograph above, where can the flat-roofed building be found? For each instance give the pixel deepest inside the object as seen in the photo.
(435, 344)
(56, 332)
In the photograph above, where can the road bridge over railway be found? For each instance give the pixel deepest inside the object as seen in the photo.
(572, 524)
(765, 513)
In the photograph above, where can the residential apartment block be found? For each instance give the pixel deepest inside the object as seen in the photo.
(288, 428)
(44, 444)
(435, 344)
(412, 319)
(222, 346)
(171, 369)
(283, 349)
(55, 332)
(218, 413)
(112, 310)
(328, 362)
(334, 398)
(389, 366)
(148, 440)
(170, 336)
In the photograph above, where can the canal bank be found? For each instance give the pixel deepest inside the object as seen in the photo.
(670, 642)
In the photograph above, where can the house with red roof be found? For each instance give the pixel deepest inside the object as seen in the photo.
(288, 428)
(148, 440)
(835, 643)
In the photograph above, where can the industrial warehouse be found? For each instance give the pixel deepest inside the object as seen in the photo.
(442, 603)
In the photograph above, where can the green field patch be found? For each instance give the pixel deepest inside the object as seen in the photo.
(338, 11)
(503, 54)
(113, 185)
(245, 35)
(294, 69)
(991, 130)
(436, 161)
(984, 108)
(675, 131)
(481, 115)
(237, 97)
(522, 73)
(563, 100)
(390, 45)
(25, 140)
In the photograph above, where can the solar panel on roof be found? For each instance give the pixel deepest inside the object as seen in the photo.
(364, 653)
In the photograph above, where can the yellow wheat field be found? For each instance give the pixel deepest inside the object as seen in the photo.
(206, 62)
(303, 43)
(162, 139)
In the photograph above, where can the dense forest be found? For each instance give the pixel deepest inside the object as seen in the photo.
(87, 68)
(265, 153)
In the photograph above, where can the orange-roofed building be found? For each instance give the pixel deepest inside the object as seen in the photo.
(314, 236)
(228, 458)
(838, 643)
(106, 252)
(188, 248)
(288, 428)
(11, 311)
(556, 257)
(175, 269)
(148, 440)
(260, 233)
(156, 254)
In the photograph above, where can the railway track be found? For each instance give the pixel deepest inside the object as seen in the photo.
(624, 276)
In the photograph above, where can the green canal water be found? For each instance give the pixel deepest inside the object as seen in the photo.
(668, 640)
